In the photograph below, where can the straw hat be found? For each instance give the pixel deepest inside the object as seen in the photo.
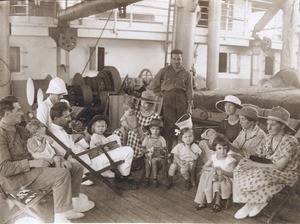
(148, 96)
(97, 118)
(57, 86)
(248, 111)
(281, 115)
(228, 99)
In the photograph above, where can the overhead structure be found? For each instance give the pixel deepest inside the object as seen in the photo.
(4, 50)
(269, 14)
(185, 28)
(90, 7)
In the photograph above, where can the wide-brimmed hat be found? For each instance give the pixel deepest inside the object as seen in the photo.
(281, 115)
(57, 86)
(148, 96)
(156, 122)
(249, 112)
(97, 118)
(220, 105)
(82, 203)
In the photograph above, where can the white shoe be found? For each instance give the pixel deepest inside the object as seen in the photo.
(257, 209)
(82, 204)
(61, 218)
(243, 212)
(71, 214)
(87, 183)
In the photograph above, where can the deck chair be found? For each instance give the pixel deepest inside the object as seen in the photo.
(288, 193)
(25, 201)
(93, 174)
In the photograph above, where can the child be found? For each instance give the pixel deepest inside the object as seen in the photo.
(185, 155)
(154, 146)
(216, 179)
(230, 126)
(39, 144)
(97, 127)
(206, 144)
(129, 121)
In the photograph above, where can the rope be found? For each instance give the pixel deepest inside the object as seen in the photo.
(94, 48)
(9, 72)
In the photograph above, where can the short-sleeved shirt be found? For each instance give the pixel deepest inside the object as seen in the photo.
(223, 164)
(188, 154)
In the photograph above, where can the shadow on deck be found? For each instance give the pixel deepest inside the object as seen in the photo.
(154, 205)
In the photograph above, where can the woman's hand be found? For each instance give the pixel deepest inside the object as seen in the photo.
(247, 163)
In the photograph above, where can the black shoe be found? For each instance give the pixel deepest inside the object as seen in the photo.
(187, 185)
(146, 183)
(169, 183)
(156, 183)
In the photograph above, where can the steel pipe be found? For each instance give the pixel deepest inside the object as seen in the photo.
(90, 7)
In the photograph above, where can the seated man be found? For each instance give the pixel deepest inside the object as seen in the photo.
(60, 115)
(18, 170)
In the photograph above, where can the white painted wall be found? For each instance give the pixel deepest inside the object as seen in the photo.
(38, 56)
(128, 56)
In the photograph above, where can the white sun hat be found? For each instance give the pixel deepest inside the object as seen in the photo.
(57, 86)
(228, 99)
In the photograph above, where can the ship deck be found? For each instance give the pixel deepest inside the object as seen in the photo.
(157, 205)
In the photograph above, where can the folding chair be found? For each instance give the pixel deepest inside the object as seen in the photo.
(25, 200)
(289, 192)
(93, 174)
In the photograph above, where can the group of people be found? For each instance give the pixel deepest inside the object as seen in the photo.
(241, 160)
(247, 163)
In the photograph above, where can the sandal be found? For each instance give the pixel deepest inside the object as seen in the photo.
(200, 207)
(216, 208)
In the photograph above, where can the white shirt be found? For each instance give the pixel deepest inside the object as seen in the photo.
(43, 112)
(65, 138)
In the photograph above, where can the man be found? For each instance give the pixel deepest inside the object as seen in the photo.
(18, 170)
(60, 115)
(56, 90)
(176, 85)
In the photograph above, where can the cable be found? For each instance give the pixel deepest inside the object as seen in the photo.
(94, 48)
(9, 73)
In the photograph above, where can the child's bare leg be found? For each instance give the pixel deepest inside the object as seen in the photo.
(147, 168)
(56, 161)
(217, 198)
(154, 168)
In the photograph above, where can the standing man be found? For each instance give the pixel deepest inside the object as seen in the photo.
(176, 85)
(56, 90)
(18, 170)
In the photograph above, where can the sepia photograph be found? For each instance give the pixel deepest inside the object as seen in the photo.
(149, 111)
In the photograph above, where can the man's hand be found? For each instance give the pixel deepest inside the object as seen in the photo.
(190, 107)
(38, 163)
(67, 165)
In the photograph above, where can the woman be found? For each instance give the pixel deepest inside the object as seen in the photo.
(251, 136)
(144, 116)
(230, 126)
(255, 183)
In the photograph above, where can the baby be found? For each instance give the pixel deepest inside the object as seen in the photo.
(128, 120)
(39, 144)
(206, 144)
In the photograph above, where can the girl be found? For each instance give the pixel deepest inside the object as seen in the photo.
(216, 179)
(230, 126)
(154, 146)
(185, 155)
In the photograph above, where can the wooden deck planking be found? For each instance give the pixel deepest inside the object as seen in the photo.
(154, 205)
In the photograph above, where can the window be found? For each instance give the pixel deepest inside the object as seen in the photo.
(269, 65)
(15, 59)
(203, 14)
(97, 58)
(234, 63)
(222, 62)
